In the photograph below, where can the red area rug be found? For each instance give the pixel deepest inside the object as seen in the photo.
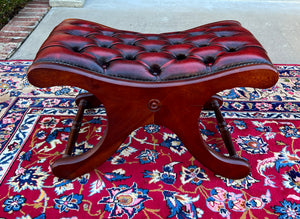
(152, 175)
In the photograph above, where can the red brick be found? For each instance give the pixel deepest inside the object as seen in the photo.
(31, 14)
(34, 10)
(11, 40)
(3, 56)
(17, 29)
(7, 46)
(13, 34)
(40, 1)
(35, 5)
(7, 49)
(22, 23)
(19, 18)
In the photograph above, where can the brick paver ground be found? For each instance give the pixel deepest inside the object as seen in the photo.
(14, 33)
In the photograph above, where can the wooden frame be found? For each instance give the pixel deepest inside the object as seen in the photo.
(173, 104)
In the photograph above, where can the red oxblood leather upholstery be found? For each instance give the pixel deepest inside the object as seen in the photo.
(165, 79)
(152, 57)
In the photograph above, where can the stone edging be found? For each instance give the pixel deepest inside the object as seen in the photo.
(14, 33)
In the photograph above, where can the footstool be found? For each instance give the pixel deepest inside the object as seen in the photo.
(164, 79)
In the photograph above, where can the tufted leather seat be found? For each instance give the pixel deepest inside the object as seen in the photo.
(165, 78)
(152, 57)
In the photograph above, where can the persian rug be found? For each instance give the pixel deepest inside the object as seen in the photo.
(152, 175)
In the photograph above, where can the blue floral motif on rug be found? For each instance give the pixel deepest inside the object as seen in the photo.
(152, 175)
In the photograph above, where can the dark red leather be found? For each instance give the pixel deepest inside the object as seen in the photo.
(152, 57)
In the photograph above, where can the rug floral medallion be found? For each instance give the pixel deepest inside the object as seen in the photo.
(152, 175)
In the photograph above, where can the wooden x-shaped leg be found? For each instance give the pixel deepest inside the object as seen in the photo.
(119, 127)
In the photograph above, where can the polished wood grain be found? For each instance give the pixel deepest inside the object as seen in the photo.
(131, 104)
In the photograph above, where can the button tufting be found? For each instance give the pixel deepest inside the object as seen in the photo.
(180, 56)
(129, 57)
(152, 57)
(209, 60)
(231, 50)
(155, 69)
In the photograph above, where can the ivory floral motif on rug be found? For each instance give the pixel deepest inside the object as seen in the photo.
(152, 175)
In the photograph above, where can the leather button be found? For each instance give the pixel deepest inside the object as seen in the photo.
(209, 61)
(180, 56)
(155, 69)
(231, 49)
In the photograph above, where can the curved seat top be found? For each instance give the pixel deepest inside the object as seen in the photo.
(128, 55)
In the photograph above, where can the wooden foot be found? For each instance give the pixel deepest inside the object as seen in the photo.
(187, 129)
(119, 126)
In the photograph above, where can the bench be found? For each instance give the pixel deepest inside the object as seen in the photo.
(165, 79)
